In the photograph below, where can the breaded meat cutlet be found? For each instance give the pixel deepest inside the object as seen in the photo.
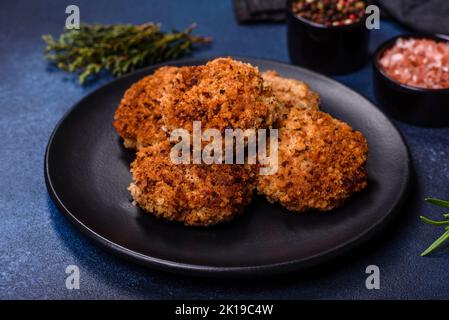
(222, 94)
(291, 93)
(138, 118)
(196, 195)
(321, 163)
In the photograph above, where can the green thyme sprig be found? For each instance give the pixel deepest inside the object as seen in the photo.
(117, 48)
(442, 223)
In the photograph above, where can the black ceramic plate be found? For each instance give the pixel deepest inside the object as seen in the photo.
(87, 174)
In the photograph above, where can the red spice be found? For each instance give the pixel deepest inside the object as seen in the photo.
(330, 12)
(422, 63)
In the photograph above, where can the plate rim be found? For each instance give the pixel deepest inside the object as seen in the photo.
(217, 271)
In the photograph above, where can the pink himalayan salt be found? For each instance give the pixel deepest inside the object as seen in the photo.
(420, 63)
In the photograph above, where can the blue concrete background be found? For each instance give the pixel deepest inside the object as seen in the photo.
(37, 243)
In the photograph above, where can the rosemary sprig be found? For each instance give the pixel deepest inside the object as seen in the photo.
(445, 223)
(435, 223)
(438, 202)
(116, 48)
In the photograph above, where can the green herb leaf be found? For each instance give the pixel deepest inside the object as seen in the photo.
(438, 202)
(433, 222)
(117, 48)
(436, 244)
(444, 223)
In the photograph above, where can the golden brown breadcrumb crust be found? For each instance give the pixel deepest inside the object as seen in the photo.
(321, 163)
(321, 159)
(224, 93)
(138, 119)
(196, 195)
(291, 93)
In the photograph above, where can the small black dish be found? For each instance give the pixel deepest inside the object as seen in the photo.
(414, 105)
(328, 50)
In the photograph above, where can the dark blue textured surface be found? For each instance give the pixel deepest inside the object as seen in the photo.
(37, 243)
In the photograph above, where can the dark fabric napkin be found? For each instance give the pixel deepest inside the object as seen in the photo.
(249, 11)
(430, 16)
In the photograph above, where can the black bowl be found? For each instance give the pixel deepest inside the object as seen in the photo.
(328, 50)
(414, 105)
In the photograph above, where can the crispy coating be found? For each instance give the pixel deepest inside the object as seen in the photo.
(291, 93)
(138, 119)
(321, 163)
(196, 195)
(222, 94)
(321, 159)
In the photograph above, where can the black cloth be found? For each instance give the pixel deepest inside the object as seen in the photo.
(249, 11)
(430, 16)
